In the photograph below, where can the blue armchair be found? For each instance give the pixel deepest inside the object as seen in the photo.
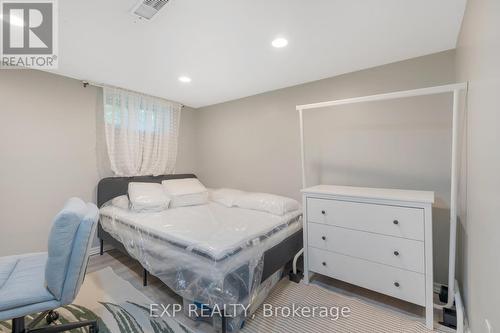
(42, 282)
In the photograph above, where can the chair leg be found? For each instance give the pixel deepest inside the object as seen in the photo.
(37, 320)
(101, 250)
(51, 317)
(145, 278)
(92, 324)
(223, 322)
(18, 325)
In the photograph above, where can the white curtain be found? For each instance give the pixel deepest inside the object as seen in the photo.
(141, 133)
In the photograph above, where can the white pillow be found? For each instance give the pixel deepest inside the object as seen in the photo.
(226, 196)
(121, 202)
(147, 197)
(185, 192)
(274, 204)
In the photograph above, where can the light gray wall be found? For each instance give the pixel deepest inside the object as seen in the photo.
(186, 156)
(253, 143)
(478, 61)
(49, 127)
(47, 144)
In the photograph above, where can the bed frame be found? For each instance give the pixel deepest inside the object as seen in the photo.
(108, 188)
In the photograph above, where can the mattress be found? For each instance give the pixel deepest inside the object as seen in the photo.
(213, 231)
(209, 254)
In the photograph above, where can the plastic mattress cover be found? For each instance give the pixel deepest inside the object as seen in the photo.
(210, 254)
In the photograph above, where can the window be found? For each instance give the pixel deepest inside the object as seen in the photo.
(141, 132)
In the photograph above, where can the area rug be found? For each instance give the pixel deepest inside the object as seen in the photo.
(120, 308)
(116, 304)
(362, 317)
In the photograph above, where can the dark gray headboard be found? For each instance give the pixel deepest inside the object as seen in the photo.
(111, 187)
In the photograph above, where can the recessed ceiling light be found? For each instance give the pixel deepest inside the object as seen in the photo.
(184, 79)
(279, 42)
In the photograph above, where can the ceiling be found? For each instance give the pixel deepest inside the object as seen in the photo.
(225, 45)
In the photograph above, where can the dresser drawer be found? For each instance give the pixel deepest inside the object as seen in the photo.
(402, 284)
(398, 252)
(396, 221)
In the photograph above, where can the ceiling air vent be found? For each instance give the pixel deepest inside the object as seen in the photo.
(148, 8)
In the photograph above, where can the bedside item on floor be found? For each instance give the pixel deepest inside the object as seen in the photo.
(379, 239)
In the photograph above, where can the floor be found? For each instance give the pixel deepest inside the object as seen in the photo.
(131, 271)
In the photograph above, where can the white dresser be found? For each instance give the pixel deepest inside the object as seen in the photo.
(379, 239)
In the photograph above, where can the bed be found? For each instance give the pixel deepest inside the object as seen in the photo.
(208, 254)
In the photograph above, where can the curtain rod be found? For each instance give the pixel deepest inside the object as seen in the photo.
(101, 85)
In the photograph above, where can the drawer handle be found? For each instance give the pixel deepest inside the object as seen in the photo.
(323, 263)
(323, 237)
(396, 253)
(396, 284)
(323, 212)
(396, 222)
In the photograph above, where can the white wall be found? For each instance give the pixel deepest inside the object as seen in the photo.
(48, 152)
(253, 143)
(478, 60)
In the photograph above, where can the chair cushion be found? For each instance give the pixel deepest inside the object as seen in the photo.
(22, 281)
(7, 265)
(61, 239)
